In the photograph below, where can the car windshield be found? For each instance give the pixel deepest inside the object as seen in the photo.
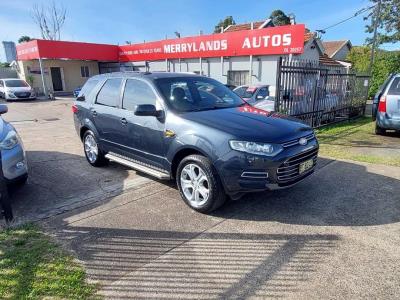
(16, 83)
(187, 94)
(245, 91)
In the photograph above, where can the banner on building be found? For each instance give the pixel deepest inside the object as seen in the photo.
(268, 41)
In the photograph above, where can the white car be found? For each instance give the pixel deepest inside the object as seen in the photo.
(16, 89)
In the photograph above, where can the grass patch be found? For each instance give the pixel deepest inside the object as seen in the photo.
(356, 140)
(34, 267)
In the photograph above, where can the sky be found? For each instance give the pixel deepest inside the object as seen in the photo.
(118, 21)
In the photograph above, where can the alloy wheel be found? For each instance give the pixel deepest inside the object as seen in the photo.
(91, 148)
(195, 185)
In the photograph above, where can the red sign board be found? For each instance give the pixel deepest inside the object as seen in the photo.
(66, 50)
(28, 50)
(268, 41)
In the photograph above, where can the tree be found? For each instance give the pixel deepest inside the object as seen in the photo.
(50, 20)
(389, 22)
(386, 62)
(279, 18)
(24, 39)
(224, 23)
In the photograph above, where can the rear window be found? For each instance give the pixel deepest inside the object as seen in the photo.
(245, 91)
(395, 87)
(88, 87)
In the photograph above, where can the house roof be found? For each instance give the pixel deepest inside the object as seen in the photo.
(332, 47)
(247, 26)
(327, 61)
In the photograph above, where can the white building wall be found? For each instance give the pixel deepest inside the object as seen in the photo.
(264, 67)
(311, 52)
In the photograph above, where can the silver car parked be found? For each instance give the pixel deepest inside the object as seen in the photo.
(386, 105)
(259, 95)
(13, 158)
(16, 89)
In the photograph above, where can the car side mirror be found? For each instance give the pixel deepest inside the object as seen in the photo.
(147, 110)
(3, 109)
(81, 98)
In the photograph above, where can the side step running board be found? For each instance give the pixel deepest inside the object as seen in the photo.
(138, 167)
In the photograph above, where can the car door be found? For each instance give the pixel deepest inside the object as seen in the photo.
(393, 99)
(145, 139)
(106, 115)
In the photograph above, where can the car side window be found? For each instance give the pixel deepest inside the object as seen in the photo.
(395, 87)
(1, 83)
(137, 92)
(262, 93)
(109, 93)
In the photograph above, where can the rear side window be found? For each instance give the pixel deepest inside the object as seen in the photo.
(109, 93)
(262, 93)
(88, 87)
(137, 92)
(395, 87)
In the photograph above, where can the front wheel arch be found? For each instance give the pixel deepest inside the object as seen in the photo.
(181, 154)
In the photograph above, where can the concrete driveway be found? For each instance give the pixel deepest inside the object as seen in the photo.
(335, 235)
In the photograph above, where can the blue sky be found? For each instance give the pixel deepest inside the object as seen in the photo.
(114, 22)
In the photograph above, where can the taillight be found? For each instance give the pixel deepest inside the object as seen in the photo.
(74, 109)
(382, 104)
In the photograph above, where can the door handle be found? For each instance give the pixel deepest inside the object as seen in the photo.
(94, 113)
(124, 121)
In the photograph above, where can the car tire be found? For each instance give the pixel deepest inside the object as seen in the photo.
(19, 182)
(379, 130)
(199, 184)
(94, 155)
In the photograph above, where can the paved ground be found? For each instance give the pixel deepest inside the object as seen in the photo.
(335, 235)
(60, 178)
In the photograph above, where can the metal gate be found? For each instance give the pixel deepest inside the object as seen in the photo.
(319, 94)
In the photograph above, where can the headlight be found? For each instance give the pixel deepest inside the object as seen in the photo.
(11, 95)
(256, 148)
(10, 141)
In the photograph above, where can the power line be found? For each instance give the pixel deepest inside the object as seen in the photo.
(357, 13)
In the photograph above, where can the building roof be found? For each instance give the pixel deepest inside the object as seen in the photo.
(247, 26)
(332, 47)
(308, 36)
(327, 61)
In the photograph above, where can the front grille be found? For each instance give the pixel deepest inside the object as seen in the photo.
(22, 94)
(288, 172)
(296, 141)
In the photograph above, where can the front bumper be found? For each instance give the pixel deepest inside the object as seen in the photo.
(385, 121)
(21, 96)
(242, 172)
(14, 163)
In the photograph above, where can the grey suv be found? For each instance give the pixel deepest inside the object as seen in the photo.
(386, 105)
(195, 130)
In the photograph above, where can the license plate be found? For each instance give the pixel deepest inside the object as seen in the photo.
(306, 165)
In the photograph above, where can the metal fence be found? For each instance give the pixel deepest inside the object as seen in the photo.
(319, 94)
